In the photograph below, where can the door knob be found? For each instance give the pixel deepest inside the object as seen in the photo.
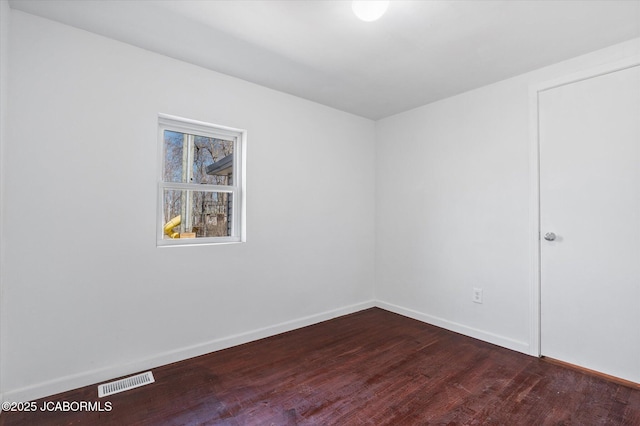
(550, 236)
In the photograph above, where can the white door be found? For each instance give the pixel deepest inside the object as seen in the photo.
(590, 199)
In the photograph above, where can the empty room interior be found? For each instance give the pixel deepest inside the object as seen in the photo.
(320, 212)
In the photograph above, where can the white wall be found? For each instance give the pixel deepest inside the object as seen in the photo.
(453, 188)
(4, 64)
(87, 295)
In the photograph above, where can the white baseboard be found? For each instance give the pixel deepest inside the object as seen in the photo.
(87, 378)
(496, 339)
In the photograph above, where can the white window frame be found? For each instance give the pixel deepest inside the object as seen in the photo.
(236, 189)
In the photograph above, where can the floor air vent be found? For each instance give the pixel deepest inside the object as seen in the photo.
(125, 384)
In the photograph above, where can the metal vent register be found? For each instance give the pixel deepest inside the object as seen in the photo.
(125, 384)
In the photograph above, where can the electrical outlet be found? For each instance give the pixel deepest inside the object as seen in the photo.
(477, 295)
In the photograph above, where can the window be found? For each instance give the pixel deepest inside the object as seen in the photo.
(200, 190)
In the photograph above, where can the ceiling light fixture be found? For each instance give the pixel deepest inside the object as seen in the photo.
(369, 11)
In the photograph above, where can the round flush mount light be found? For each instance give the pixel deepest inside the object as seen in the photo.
(369, 11)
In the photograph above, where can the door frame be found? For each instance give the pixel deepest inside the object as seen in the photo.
(535, 338)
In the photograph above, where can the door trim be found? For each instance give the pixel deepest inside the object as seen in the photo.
(534, 186)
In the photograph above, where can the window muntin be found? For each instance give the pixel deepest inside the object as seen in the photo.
(200, 188)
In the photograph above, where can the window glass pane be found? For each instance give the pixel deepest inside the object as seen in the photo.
(197, 159)
(174, 150)
(196, 214)
(212, 161)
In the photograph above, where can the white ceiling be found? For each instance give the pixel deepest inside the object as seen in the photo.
(419, 52)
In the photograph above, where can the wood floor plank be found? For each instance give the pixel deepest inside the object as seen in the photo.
(369, 368)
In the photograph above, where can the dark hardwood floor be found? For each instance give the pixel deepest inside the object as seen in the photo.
(372, 367)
